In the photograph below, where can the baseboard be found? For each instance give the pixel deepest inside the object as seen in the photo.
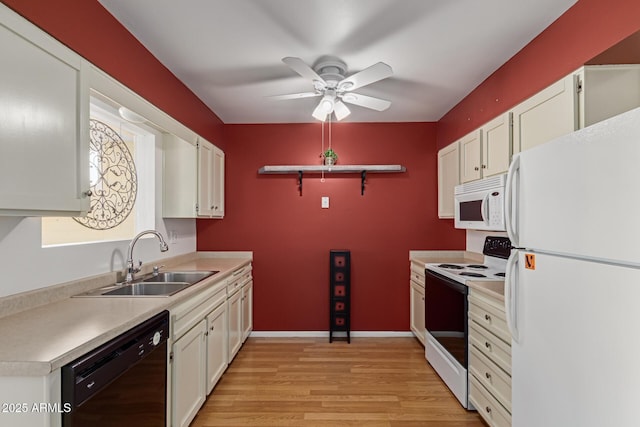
(325, 334)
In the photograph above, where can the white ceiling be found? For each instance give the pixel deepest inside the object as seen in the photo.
(228, 52)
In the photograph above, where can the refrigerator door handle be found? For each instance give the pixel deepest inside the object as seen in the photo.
(510, 199)
(511, 294)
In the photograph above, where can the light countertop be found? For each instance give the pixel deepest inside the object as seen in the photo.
(40, 340)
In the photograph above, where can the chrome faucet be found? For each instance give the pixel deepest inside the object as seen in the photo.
(131, 270)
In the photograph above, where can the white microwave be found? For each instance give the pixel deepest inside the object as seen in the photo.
(479, 205)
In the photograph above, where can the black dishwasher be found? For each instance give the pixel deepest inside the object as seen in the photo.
(121, 383)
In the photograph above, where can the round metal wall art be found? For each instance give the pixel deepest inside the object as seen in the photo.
(114, 182)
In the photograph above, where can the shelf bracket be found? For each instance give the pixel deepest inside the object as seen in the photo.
(364, 177)
(300, 182)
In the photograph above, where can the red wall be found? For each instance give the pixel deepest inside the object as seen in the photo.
(290, 235)
(86, 27)
(584, 31)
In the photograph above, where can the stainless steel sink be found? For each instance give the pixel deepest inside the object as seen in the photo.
(162, 284)
(180, 276)
(148, 289)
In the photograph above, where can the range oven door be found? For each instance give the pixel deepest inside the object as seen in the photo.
(446, 345)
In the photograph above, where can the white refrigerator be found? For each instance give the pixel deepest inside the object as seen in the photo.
(572, 291)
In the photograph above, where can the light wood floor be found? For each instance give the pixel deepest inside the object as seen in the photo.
(308, 382)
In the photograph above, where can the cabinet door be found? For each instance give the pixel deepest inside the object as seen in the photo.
(218, 183)
(189, 375)
(44, 123)
(417, 311)
(205, 178)
(448, 178)
(548, 114)
(496, 145)
(179, 179)
(216, 345)
(247, 310)
(235, 323)
(470, 147)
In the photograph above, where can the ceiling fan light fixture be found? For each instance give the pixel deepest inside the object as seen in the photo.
(326, 104)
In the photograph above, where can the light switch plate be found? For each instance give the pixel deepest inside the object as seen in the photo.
(325, 202)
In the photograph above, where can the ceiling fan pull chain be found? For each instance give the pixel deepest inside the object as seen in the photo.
(322, 152)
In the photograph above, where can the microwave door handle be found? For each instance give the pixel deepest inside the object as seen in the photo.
(484, 207)
(510, 202)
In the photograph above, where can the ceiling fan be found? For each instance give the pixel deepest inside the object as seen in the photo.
(329, 81)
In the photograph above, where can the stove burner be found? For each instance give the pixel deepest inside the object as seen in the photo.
(478, 266)
(471, 274)
(451, 266)
(500, 274)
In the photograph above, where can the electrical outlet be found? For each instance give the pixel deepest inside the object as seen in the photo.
(325, 202)
(173, 236)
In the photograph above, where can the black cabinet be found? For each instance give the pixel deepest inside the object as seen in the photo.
(339, 292)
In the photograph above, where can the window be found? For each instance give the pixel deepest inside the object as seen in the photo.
(122, 175)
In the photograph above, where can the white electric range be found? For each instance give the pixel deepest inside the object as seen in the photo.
(446, 306)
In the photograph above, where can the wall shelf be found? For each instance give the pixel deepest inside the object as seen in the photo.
(344, 169)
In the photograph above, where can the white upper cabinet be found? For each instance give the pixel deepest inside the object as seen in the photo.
(470, 156)
(448, 178)
(546, 115)
(44, 123)
(496, 145)
(486, 151)
(210, 180)
(605, 91)
(193, 179)
(587, 96)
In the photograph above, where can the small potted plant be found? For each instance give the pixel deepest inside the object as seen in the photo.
(330, 157)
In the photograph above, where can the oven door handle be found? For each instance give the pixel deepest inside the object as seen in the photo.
(511, 294)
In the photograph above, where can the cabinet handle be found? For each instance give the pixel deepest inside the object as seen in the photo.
(476, 168)
(212, 328)
(487, 409)
(488, 375)
(487, 318)
(484, 166)
(88, 193)
(422, 298)
(486, 344)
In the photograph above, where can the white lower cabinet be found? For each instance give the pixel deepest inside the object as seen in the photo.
(189, 375)
(239, 307)
(416, 296)
(216, 345)
(489, 359)
(247, 310)
(234, 305)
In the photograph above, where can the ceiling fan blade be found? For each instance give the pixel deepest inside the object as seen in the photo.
(300, 67)
(294, 96)
(366, 101)
(320, 113)
(341, 110)
(367, 76)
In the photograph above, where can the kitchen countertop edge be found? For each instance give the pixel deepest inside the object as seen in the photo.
(94, 320)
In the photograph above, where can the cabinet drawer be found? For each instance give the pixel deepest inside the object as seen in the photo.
(491, 346)
(417, 273)
(488, 407)
(490, 317)
(187, 314)
(238, 278)
(494, 379)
